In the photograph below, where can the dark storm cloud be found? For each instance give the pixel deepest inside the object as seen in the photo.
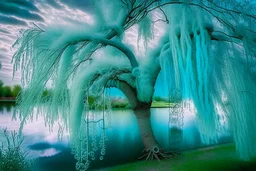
(11, 21)
(19, 9)
(24, 4)
(84, 5)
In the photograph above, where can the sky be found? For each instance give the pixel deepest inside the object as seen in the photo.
(18, 15)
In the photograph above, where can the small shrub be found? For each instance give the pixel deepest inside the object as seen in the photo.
(12, 157)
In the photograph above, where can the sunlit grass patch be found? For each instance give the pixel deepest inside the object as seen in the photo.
(162, 104)
(212, 158)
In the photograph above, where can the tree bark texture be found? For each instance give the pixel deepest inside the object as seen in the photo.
(143, 118)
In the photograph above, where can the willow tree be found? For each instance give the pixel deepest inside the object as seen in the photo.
(207, 53)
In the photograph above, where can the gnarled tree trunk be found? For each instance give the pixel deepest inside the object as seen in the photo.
(142, 114)
(152, 149)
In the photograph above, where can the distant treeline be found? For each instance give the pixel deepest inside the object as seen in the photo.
(158, 98)
(8, 91)
(12, 92)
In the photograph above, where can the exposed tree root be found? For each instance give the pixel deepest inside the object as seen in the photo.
(157, 154)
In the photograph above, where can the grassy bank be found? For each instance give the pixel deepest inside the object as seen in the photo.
(155, 104)
(115, 106)
(161, 104)
(7, 101)
(220, 158)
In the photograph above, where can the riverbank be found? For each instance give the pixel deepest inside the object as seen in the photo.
(7, 100)
(221, 158)
(156, 104)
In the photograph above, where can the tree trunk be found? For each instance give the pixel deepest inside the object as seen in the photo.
(142, 114)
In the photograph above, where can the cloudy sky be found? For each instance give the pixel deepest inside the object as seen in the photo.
(16, 15)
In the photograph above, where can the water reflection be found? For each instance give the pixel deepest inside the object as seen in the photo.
(170, 136)
(6, 107)
(124, 143)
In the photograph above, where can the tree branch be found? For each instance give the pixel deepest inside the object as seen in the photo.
(129, 92)
(209, 9)
(117, 44)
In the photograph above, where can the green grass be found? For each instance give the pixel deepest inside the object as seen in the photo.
(217, 158)
(161, 104)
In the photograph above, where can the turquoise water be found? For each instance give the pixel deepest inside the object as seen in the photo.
(124, 143)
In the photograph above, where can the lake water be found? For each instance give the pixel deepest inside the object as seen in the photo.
(124, 142)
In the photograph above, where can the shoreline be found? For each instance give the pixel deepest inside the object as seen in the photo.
(217, 157)
(154, 104)
(7, 101)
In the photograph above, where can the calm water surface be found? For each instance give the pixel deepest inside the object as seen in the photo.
(124, 143)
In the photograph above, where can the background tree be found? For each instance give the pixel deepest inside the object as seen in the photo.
(16, 90)
(7, 91)
(1, 88)
(207, 52)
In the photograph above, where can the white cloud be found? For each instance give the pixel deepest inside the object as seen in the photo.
(51, 15)
(62, 16)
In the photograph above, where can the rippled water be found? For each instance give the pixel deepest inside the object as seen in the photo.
(124, 143)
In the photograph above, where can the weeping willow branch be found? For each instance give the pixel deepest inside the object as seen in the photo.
(117, 44)
(143, 9)
(228, 11)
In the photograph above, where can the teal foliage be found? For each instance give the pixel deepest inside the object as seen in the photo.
(207, 53)
(213, 73)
